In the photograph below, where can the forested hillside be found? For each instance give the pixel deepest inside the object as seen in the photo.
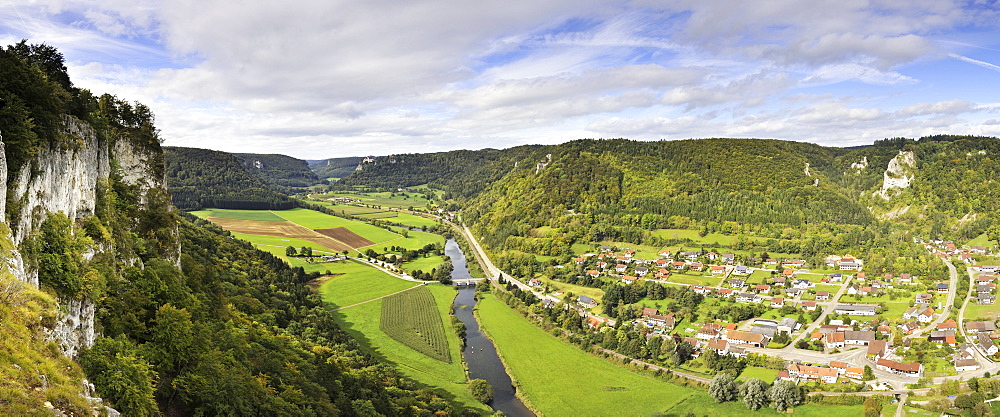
(335, 167)
(283, 173)
(201, 178)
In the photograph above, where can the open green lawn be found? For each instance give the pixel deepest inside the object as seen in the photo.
(595, 293)
(982, 240)
(758, 277)
(415, 240)
(558, 379)
(711, 239)
(701, 404)
(357, 282)
(362, 323)
(281, 242)
(258, 215)
(763, 374)
(385, 199)
(424, 264)
(981, 311)
(411, 220)
(692, 279)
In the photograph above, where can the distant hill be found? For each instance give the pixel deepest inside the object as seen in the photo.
(335, 167)
(284, 173)
(201, 178)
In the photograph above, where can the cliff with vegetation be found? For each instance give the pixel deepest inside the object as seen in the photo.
(109, 297)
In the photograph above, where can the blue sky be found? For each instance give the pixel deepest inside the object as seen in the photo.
(318, 79)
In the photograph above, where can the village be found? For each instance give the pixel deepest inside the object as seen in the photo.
(832, 322)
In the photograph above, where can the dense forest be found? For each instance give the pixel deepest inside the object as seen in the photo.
(335, 167)
(283, 173)
(201, 178)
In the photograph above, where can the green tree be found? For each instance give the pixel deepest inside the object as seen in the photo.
(58, 253)
(290, 251)
(306, 251)
(122, 377)
(481, 390)
(869, 374)
(754, 393)
(784, 395)
(723, 388)
(873, 407)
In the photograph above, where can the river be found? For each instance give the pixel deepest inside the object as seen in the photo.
(480, 354)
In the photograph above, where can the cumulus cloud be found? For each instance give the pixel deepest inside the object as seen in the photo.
(317, 78)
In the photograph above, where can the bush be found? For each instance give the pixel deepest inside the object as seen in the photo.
(481, 390)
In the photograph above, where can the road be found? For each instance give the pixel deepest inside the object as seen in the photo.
(830, 307)
(943, 314)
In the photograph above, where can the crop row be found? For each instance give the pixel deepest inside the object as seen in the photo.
(412, 318)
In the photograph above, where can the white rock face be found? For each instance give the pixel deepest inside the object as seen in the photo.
(898, 174)
(860, 165)
(74, 328)
(65, 179)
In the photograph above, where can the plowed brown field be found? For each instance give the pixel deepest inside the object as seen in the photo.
(343, 234)
(282, 229)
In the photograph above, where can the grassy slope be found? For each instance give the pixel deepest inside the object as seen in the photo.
(362, 323)
(358, 283)
(558, 379)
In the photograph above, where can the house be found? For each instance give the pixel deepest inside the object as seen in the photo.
(861, 276)
(602, 264)
(701, 289)
(907, 369)
(641, 271)
(942, 288)
(793, 292)
(822, 295)
(905, 279)
(664, 253)
(649, 311)
(836, 277)
(841, 367)
(987, 345)
(737, 283)
(849, 264)
(922, 298)
(593, 273)
(762, 288)
(854, 372)
(966, 365)
(943, 337)
(662, 273)
(926, 316)
(578, 261)
(985, 299)
(949, 324)
(620, 268)
(711, 256)
(718, 270)
(746, 338)
(807, 373)
(980, 326)
(586, 302)
(726, 292)
(802, 284)
(859, 337)
(709, 331)
(809, 305)
(909, 327)
(745, 297)
(768, 331)
(741, 270)
(640, 261)
(720, 346)
(788, 325)
(777, 302)
(691, 254)
(780, 281)
(678, 265)
(623, 259)
(857, 309)
(595, 322)
(728, 258)
(535, 282)
(984, 289)
(977, 249)
(789, 273)
(794, 263)
(770, 262)
(605, 248)
(628, 279)
(660, 321)
(696, 266)
(877, 349)
(835, 340)
(559, 293)
(661, 263)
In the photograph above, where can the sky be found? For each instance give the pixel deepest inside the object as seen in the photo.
(321, 79)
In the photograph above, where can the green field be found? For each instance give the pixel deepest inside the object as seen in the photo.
(689, 278)
(316, 220)
(763, 374)
(415, 239)
(357, 282)
(362, 323)
(258, 215)
(411, 318)
(981, 311)
(385, 199)
(425, 264)
(559, 379)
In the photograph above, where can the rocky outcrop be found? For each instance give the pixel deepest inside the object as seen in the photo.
(898, 174)
(74, 327)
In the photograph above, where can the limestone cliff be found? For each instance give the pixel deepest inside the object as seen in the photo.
(66, 179)
(898, 174)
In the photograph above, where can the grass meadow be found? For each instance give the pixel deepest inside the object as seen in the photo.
(362, 323)
(558, 379)
(257, 215)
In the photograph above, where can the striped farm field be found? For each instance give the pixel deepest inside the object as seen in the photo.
(256, 215)
(411, 318)
(315, 220)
